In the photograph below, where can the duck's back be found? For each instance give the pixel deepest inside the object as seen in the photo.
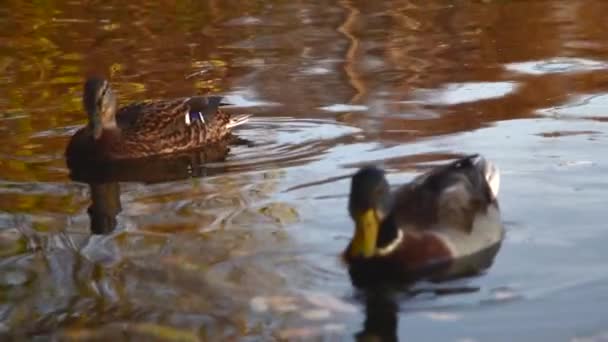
(156, 127)
(448, 195)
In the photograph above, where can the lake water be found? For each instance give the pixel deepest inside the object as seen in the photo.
(247, 249)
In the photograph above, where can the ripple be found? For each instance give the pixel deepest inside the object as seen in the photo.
(245, 98)
(340, 107)
(316, 70)
(244, 21)
(281, 142)
(456, 93)
(592, 106)
(556, 65)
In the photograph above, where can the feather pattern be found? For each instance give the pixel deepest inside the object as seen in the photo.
(448, 195)
(153, 128)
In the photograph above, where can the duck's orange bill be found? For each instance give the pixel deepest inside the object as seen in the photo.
(363, 244)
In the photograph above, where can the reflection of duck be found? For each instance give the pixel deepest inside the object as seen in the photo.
(381, 319)
(445, 223)
(105, 205)
(149, 128)
(382, 310)
(153, 169)
(104, 179)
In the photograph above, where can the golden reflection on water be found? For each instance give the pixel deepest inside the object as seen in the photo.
(247, 246)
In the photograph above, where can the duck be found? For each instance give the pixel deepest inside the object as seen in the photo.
(145, 129)
(444, 224)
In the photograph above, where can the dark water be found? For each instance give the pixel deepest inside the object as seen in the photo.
(247, 248)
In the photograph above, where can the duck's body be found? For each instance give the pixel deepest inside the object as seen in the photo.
(147, 129)
(444, 223)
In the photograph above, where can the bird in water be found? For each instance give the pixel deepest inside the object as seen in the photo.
(146, 129)
(445, 223)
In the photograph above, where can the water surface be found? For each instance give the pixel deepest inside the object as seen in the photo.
(247, 248)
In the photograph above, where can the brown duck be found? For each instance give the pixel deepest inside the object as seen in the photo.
(149, 128)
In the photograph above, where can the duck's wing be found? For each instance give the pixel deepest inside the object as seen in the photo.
(206, 110)
(167, 117)
(448, 196)
(158, 115)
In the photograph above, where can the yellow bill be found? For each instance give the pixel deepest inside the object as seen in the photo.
(366, 235)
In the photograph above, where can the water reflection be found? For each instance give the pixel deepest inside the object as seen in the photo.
(557, 65)
(105, 205)
(155, 170)
(382, 308)
(381, 318)
(103, 178)
(333, 84)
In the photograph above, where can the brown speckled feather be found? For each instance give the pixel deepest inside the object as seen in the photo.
(157, 127)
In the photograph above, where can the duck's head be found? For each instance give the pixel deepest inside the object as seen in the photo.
(368, 200)
(100, 103)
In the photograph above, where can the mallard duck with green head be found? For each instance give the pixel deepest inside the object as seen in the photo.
(445, 223)
(149, 128)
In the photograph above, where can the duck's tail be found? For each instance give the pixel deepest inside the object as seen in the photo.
(491, 173)
(237, 120)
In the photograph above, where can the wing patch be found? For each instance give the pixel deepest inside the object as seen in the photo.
(192, 117)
